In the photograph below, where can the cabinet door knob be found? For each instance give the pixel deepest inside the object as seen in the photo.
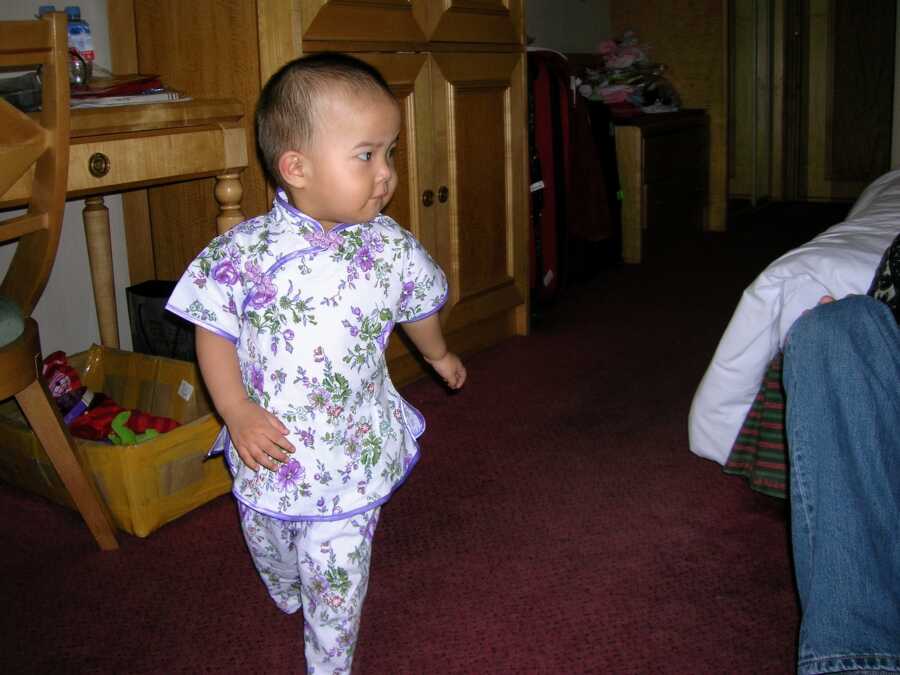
(98, 165)
(428, 197)
(443, 194)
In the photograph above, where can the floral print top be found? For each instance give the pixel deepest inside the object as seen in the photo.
(310, 313)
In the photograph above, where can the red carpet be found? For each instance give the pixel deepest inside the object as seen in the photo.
(557, 522)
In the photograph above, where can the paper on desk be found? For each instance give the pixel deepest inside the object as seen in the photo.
(136, 99)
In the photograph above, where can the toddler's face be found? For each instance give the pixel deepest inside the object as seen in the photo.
(349, 172)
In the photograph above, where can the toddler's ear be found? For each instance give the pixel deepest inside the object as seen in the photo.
(292, 166)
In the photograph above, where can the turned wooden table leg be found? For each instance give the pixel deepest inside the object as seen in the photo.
(629, 159)
(228, 193)
(99, 245)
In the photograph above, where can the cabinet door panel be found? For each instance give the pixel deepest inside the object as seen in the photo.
(408, 76)
(851, 72)
(479, 117)
(498, 22)
(360, 21)
(480, 161)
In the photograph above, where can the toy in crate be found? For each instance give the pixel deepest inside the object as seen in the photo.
(151, 428)
(94, 416)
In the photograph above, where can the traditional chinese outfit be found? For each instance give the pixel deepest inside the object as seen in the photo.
(310, 313)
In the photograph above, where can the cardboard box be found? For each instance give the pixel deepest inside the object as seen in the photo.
(145, 485)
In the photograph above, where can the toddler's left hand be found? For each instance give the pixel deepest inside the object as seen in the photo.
(451, 369)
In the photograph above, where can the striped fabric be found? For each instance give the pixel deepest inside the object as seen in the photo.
(760, 451)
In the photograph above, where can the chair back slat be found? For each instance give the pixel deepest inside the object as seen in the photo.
(23, 37)
(22, 142)
(25, 43)
(17, 227)
(41, 141)
(22, 59)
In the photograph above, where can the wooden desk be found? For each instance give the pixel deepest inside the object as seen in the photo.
(663, 164)
(118, 149)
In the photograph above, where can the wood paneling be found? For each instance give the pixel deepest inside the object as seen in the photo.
(479, 114)
(863, 77)
(497, 22)
(690, 38)
(849, 78)
(480, 175)
(207, 48)
(355, 21)
(462, 99)
(408, 77)
(754, 156)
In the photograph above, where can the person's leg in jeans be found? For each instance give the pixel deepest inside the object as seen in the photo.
(842, 384)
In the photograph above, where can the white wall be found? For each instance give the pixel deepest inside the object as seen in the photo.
(66, 311)
(567, 25)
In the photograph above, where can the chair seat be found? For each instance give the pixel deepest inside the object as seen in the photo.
(12, 323)
(19, 360)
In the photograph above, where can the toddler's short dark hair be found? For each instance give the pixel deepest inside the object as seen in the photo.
(288, 104)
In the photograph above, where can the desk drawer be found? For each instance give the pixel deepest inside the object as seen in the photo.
(146, 160)
(138, 161)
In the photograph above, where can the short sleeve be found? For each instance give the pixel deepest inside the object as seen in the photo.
(424, 283)
(210, 291)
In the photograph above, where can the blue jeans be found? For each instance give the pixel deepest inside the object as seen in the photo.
(842, 383)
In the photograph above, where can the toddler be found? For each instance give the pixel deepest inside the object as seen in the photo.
(293, 311)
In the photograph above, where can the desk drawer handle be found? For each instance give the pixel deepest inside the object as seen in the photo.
(98, 165)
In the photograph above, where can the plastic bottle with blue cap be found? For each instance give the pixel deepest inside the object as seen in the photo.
(80, 39)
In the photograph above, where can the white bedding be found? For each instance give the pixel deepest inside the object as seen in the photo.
(838, 262)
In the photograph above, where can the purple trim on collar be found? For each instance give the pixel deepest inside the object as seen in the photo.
(282, 200)
(433, 310)
(202, 324)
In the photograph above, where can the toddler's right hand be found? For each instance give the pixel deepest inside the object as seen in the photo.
(258, 435)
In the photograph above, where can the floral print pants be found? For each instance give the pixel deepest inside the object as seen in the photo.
(321, 566)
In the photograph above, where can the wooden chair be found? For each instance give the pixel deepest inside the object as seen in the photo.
(39, 144)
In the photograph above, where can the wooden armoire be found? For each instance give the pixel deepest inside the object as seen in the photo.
(812, 97)
(458, 69)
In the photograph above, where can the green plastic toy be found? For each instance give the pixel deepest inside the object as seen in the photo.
(122, 435)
